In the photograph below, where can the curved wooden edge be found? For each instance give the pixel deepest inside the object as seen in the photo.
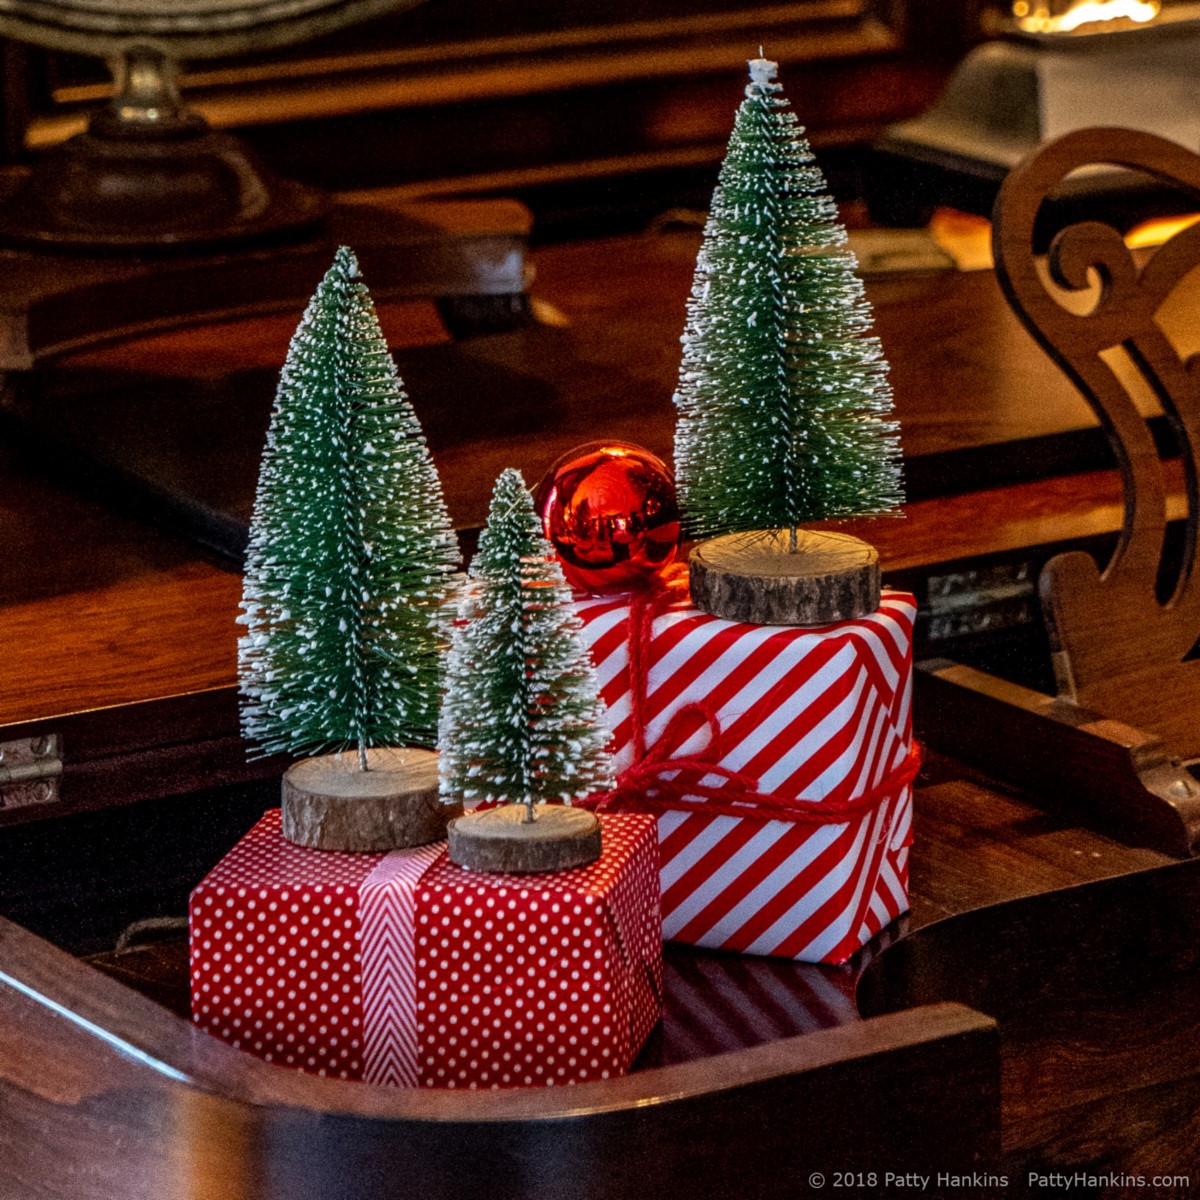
(127, 1034)
(102, 1093)
(1043, 934)
(1120, 777)
(1024, 189)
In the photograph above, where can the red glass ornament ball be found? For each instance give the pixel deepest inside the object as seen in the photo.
(609, 510)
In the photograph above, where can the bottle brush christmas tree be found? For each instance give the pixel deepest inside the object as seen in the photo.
(521, 719)
(347, 584)
(783, 396)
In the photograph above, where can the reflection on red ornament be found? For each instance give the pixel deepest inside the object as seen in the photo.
(610, 512)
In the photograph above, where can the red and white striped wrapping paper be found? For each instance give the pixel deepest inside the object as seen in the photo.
(811, 714)
(404, 969)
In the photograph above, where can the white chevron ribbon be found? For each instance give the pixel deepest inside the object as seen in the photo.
(387, 922)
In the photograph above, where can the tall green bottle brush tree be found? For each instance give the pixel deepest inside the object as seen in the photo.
(783, 396)
(348, 574)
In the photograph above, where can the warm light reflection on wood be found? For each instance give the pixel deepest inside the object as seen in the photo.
(1158, 231)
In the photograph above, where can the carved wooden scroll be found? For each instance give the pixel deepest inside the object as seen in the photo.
(1121, 635)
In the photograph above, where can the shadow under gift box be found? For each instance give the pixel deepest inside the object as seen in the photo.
(404, 969)
(812, 717)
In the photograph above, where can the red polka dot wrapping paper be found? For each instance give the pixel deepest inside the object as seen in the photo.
(809, 713)
(404, 969)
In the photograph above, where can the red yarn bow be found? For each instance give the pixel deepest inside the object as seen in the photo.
(660, 780)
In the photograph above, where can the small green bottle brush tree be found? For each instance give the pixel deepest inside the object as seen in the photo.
(522, 721)
(783, 396)
(348, 583)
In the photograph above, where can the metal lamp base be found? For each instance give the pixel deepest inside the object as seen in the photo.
(151, 175)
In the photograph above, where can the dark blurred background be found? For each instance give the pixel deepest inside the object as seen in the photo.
(597, 113)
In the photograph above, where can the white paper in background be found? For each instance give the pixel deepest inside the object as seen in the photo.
(1154, 87)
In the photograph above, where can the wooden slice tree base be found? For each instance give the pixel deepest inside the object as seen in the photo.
(500, 839)
(329, 804)
(756, 578)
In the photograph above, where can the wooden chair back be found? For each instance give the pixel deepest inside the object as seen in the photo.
(1122, 636)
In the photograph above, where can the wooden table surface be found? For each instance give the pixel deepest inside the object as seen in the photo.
(100, 607)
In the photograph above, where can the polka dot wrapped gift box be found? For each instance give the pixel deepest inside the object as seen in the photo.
(404, 969)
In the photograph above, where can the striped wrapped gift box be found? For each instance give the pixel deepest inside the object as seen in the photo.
(812, 717)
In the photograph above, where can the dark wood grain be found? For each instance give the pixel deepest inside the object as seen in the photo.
(964, 375)
(1117, 739)
(125, 612)
(976, 846)
(481, 99)
(118, 612)
(1093, 984)
(609, 346)
(450, 248)
(140, 618)
(1097, 1012)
